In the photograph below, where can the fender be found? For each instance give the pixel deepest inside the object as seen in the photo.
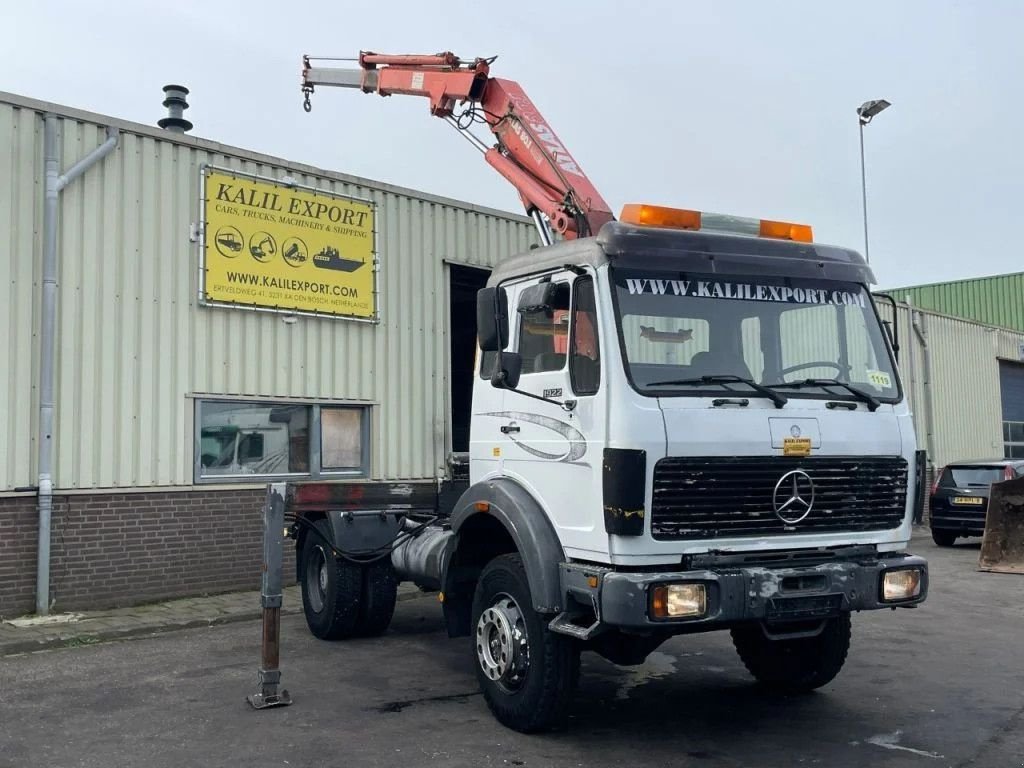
(530, 528)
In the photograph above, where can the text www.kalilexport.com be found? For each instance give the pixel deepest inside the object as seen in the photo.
(305, 286)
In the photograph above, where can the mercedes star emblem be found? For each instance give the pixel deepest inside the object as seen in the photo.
(793, 496)
(795, 430)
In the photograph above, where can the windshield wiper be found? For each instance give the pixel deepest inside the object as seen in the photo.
(865, 397)
(779, 399)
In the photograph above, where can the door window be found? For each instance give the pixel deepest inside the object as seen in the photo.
(585, 355)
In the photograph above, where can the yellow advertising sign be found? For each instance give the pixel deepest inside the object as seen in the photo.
(270, 245)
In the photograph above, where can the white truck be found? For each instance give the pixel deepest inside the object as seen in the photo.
(681, 423)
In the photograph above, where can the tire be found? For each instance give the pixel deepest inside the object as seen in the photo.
(797, 665)
(380, 589)
(332, 588)
(943, 538)
(531, 696)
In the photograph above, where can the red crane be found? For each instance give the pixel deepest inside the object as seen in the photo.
(528, 153)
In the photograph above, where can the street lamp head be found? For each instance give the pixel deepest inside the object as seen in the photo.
(869, 109)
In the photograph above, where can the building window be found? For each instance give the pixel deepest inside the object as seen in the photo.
(341, 439)
(1013, 439)
(238, 440)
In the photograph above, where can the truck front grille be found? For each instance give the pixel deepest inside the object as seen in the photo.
(724, 497)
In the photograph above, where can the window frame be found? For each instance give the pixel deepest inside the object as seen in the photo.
(316, 470)
(1009, 444)
(577, 284)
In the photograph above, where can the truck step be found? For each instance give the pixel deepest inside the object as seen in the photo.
(564, 624)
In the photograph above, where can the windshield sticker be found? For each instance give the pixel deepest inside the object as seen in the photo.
(651, 333)
(711, 289)
(880, 379)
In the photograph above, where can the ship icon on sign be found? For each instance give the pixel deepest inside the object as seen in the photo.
(329, 258)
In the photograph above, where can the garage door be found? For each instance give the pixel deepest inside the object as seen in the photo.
(1011, 380)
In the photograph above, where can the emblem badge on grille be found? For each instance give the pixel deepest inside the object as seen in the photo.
(795, 430)
(793, 497)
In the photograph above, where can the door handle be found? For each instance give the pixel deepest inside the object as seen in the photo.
(508, 429)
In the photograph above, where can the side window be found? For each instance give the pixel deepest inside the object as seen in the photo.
(543, 335)
(250, 448)
(585, 349)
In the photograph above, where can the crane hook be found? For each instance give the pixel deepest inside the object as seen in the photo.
(306, 105)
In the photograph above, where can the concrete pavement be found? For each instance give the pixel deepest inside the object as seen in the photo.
(942, 685)
(86, 628)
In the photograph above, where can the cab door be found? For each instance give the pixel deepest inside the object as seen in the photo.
(553, 446)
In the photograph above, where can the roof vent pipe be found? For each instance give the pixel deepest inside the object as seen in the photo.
(176, 105)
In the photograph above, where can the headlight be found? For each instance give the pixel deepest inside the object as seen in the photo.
(678, 601)
(901, 584)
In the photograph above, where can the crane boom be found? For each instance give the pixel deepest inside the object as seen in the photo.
(528, 153)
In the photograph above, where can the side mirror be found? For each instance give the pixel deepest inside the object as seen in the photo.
(492, 319)
(507, 368)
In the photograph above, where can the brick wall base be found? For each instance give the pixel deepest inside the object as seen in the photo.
(118, 549)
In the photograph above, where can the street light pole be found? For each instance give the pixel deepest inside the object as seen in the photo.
(865, 113)
(864, 191)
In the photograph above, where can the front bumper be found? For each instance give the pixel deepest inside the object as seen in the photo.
(756, 593)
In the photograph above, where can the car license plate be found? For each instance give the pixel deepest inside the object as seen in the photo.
(974, 500)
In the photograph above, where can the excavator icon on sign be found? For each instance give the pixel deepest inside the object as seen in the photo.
(262, 246)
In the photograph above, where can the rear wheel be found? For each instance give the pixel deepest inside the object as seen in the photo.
(943, 538)
(380, 590)
(342, 599)
(331, 587)
(527, 673)
(796, 665)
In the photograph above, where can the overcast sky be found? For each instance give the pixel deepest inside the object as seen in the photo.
(734, 107)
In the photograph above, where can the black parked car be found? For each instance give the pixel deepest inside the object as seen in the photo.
(959, 498)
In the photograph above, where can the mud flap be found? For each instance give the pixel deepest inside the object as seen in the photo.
(1002, 548)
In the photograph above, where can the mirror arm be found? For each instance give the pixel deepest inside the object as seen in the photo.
(566, 405)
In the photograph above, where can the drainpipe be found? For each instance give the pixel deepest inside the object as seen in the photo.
(55, 182)
(926, 355)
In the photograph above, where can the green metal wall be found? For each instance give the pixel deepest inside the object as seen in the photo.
(997, 300)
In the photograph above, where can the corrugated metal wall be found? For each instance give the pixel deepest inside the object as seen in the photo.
(21, 219)
(963, 379)
(134, 343)
(995, 300)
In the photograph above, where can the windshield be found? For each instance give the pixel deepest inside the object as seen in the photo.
(792, 334)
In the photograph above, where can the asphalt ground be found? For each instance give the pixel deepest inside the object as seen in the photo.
(942, 685)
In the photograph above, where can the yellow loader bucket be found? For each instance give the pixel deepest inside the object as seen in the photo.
(1002, 549)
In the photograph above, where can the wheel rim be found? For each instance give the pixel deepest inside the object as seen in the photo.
(316, 579)
(502, 645)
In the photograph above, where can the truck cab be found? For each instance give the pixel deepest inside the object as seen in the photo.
(706, 366)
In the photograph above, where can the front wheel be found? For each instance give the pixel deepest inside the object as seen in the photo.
(795, 665)
(527, 672)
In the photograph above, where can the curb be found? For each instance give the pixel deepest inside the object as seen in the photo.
(85, 637)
